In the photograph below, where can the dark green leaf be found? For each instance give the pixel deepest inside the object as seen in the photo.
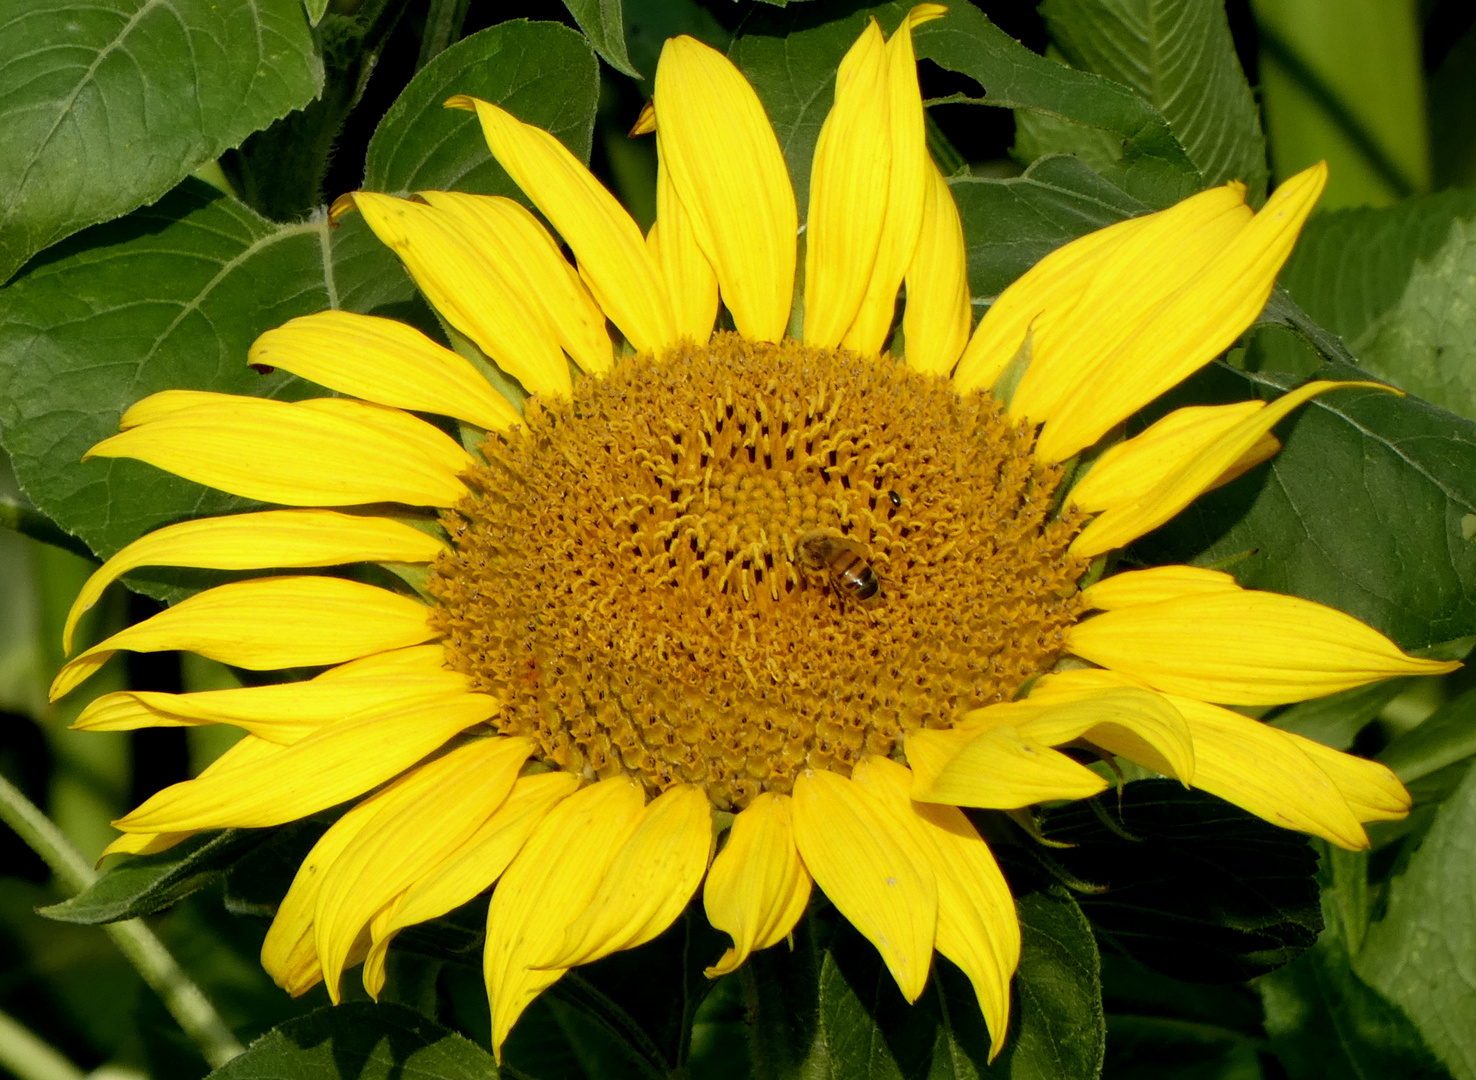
(1202, 891)
(543, 73)
(256, 883)
(1370, 507)
(1337, 719)
(169, 297)
(648, 23)
(1446, 736)
(144, 884)
(1178, 55)
(107, 106)
(604, 24)
(361, 1042)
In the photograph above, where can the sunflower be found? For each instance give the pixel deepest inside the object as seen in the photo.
(748, 609)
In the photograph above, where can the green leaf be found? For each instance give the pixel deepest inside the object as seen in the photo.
(830, 1008)
(107, 106)
(169, 297)
(144, 884)
(360, 1041)
(1337, 719)
(1446, 736)
(1191, 885)
(543, 73)
(1179, 56)
(315, 9)
(1390, 540)
(603, 23)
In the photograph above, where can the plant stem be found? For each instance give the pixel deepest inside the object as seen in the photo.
(143, 949)
(31, 1058)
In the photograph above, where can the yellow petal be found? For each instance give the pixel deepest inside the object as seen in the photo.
(977, 926)
(384, 361)
(1126, 722)
(144, 843)
(276, 538)
(1155, 585)
(848, 192)
(472, 867)
(1243, 647)
(266, 623)
(1371, 789)
(859, 853)
(612, 255)
(284, 452)
(1124, 523)
(935, 322)
(690, 280)
(909, 186)
(549, 883)
(726, 167)
(455, 793)
(1188, 323)
(1000, 769)
(509, 235)
(335, 763)
(486, 301)
(757, 888)
(648, 885)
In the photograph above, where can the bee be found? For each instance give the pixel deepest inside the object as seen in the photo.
(843, 561)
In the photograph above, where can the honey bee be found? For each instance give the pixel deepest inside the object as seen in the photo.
(843, 561)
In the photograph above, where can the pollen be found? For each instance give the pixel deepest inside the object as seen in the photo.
(633, 573)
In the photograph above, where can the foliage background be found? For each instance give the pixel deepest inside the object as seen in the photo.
(162, 190)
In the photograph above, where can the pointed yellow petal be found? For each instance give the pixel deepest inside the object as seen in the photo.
(472, 867)
(335, 763)
(513, 239)
(690, 280)
(266, 623)
(384, 361)
(548, 884)
(486, 301)
(726, 167)
(1000, 769)
(757, 888)
(648, 885)
(284, 452)
(848, 192)
(276, 538)
(977, 926)
(935, 322)
(859, 853)
(1372, 791)
(393, 851)
(1126, 722)
(1188, 322)
(1155, 585)
(144, 843)
(1124, 523)
(1243, 647)
(909, 186)
(608, 244)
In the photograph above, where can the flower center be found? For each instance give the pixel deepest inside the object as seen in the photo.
(742, 560)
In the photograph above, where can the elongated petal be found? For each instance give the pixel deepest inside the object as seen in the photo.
(275, 538)
(757, 888)
(1155, 585)
(909, 185)
(282, 452)
(472, 867)
(999, 769)
(1124, 523)
(861, 856)
(936, 319)
(849, 190)
(1189, 326)
(456, 793)
(510, 236)
(690, 279)
(648, 885)
(725, 164)
(487, 302)
(612, 254)
(1243, 647)
(143, 843)
(333, 764)
(550, 882)
(1124, 721)
(977, 926)
(384, 361)
(1370, 788)
(267, 623)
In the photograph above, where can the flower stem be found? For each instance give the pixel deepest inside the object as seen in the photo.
(29, 1057)
(143, 949)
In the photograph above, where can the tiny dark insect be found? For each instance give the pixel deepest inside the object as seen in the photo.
(896, 499)
(844, 563)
